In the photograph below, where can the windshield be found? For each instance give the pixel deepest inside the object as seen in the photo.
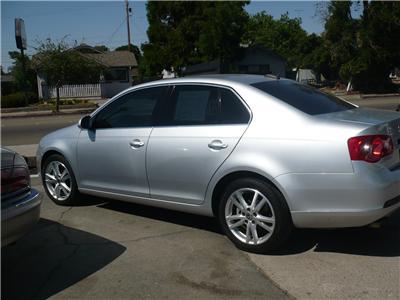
(303, 97)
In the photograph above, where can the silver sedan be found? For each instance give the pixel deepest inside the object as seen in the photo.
(260, 153)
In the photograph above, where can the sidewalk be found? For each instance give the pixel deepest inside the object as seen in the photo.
(22, 112)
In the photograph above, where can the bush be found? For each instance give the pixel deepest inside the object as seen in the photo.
(18, 99)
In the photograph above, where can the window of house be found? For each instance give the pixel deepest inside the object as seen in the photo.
(116, 74)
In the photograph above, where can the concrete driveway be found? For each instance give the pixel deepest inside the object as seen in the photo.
(114, 250)
(120, 250)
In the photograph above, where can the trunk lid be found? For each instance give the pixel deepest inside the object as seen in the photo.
(377, 122)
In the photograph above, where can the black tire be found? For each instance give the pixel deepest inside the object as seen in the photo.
(73, 198)
(283, 222)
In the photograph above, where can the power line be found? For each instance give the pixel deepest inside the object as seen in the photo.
(114, 33)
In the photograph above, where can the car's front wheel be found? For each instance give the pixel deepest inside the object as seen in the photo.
(59, 180)
(254, 215)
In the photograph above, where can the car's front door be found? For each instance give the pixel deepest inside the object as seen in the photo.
(202, 128)
(111, 156)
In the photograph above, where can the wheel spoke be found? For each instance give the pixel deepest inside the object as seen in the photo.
(65, 187)
(254, 201)
(235, 217)
(254, 233)
(50, 178)
(57, 191)
(64, 173)
(265, 226)
(55, 168)
(265, 219)
(237, 224)
(239, 197)
(260, 204)
(248, 230)
(237, 204)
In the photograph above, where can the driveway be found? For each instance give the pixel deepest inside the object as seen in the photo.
(119, 250)
(109, 249)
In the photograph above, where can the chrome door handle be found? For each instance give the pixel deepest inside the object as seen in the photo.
(136, 143)
(217, 145)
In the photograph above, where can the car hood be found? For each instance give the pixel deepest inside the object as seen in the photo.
(367, 116)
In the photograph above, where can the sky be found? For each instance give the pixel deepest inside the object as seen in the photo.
(102, 22)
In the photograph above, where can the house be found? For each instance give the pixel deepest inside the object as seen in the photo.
(255, 60)
(121, 71)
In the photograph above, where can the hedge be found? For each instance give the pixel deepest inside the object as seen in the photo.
(18, 99)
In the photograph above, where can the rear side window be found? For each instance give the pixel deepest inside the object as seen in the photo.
(202, 105)
(303, 97)
(135, 109)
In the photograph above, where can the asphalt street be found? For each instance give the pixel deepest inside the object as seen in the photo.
(29, 130)
(114, 250)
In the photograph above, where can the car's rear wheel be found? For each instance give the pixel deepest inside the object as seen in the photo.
(59, 181)
(254, 215)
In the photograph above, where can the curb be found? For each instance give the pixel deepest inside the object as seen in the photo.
(378, 96)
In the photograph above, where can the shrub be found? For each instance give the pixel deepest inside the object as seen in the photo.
(18, 99)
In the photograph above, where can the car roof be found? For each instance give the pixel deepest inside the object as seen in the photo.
(224, 79)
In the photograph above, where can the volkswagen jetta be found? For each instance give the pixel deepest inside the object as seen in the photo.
(260, 153)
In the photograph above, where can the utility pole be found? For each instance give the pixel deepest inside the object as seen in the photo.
(128, 10)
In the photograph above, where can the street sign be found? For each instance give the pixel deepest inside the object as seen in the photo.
(20, 35)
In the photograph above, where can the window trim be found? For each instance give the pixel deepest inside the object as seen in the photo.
(161, 103)
(166, 101)
(170, 107)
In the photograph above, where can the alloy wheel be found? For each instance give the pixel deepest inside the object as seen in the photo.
(58, 180)
(250, 216)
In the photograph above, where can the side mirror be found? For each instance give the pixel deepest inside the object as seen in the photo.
(85, 122)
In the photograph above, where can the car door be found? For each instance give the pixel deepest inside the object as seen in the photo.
(111, 156)
(201, 128)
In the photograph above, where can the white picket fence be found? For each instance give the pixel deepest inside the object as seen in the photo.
(75, 91)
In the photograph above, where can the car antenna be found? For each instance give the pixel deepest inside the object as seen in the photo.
(273, 76)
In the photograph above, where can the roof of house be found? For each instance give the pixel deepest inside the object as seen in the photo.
(109, 59)
(114, 58)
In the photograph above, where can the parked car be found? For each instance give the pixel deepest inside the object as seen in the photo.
(20, 204)
(259, 153)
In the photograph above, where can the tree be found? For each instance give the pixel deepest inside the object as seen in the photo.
(134, 49)
(189, 32)
(61, 64)
(283, 36)
(24, 80)
(378, 47)
(101, 48)
(340, 36)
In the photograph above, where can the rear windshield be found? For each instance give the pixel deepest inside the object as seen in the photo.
(303, 97)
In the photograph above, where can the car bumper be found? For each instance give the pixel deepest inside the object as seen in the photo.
(342, 200)
(20, 217)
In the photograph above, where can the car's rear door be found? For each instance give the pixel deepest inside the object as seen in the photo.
(202, 125)
(111, 156)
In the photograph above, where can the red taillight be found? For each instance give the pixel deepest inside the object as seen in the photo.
(370, 148)
(14, 179)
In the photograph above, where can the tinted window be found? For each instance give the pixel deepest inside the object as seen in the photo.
(232, 109)
(199, 105)
(135, 109)
(303, 97)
